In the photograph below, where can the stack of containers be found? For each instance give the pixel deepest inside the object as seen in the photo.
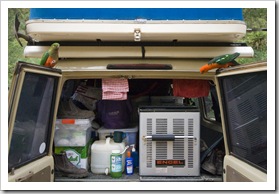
(74, 137)
(100, 151)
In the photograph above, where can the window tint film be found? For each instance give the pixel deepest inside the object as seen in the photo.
(245, 99)
(31, 129)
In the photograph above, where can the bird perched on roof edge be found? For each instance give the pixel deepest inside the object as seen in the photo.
(50, 57)
(222, 61)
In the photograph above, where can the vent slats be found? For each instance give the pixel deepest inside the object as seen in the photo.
(161, 126)
(161, 150)
(161, 146)
(178, 126)
(149, 153)
(149, 144)
(190, 143)
(178, 149)
(149, 126)
(178, 144)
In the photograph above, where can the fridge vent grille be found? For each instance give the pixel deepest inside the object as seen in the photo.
(149, 143)
(178, 144)
(161, 150)
(161, 126)
(190, 143)
(172, 157)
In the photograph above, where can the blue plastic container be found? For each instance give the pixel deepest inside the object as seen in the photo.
(137, 13)
(129, 166)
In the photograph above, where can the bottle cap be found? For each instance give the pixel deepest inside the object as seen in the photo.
(133, 149)
(128, 154)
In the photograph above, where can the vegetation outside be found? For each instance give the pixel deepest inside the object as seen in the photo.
(254, 18)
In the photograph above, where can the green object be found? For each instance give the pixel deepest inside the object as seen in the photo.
(224, 59)
(118, 136)
(116, 164)
(76, 155)
(50, 57)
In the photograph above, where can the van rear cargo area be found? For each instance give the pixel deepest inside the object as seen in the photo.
(155, 117)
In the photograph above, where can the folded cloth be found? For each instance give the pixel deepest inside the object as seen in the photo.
(114, 96)
(115, 89)
(190, 88)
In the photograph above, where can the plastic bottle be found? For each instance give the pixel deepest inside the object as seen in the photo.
(116, 164)
(135, 156)
(129, 164)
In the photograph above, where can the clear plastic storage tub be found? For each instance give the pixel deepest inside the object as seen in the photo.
(131, 134)
(72, 132)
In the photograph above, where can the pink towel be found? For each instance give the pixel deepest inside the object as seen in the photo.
(115, 89)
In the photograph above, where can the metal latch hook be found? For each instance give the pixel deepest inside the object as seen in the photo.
(137, 35)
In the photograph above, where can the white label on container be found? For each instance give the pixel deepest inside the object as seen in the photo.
(116, 164)
(73, 156)
(129, 169)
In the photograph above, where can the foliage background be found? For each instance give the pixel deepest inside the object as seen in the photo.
(255, 18)
(15, 50)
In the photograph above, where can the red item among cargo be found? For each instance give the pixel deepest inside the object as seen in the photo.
(190, 88)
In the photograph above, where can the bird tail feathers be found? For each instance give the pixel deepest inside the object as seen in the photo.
(235, 63)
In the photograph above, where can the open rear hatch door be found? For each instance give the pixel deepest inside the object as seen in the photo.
(243, 91)
(32, 105)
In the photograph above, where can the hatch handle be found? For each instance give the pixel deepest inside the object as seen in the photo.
(167, 137)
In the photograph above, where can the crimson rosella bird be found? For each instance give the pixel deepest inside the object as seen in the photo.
(222, 61)
(50, 57)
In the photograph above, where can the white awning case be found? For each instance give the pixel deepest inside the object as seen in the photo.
(129, 30)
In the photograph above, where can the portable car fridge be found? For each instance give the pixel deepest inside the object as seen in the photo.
(169, 141)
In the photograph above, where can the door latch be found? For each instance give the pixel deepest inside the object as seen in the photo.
(137, 35)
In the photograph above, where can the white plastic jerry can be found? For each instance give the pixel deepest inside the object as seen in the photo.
(100, 155)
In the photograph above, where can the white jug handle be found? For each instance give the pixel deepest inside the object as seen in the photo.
(107, 140)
